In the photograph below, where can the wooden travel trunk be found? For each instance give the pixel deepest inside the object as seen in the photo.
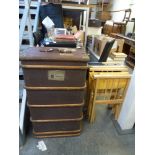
(55, 83)
(53, 67)
(56, 112)
(54, 127)
(58, 129)
(55, 77)
(47, 97)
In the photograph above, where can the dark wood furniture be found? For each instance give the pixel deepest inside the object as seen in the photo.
(128, 48)
(124, 22)
(118, 27)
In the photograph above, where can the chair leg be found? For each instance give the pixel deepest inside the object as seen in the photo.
(109, 107)
(93, 113)
(90, 105)
(124, 29)
(113, 108)
(116, 112)
(113, 28)
(105, 30)
(119, 109)
(92, 118)
(92, 110)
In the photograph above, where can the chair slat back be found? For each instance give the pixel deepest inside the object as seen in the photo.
(112, 88)
(127, 15)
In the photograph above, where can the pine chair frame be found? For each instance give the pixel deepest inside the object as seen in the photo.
(115, 83)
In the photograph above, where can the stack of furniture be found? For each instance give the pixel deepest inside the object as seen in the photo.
(107, 85)
(128, 48)
(120, 57)
(55, 84)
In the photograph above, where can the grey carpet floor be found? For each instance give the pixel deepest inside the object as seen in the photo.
(100, 138)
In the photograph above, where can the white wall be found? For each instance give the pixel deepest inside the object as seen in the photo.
(120, 5)
(126, 118)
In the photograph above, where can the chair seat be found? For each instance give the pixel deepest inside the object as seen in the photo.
(111, 22)
(119, 23)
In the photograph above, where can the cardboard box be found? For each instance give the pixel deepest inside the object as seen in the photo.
(100, 42)
(103, 15)
(120, 43)
(119, 55)
(94, 30)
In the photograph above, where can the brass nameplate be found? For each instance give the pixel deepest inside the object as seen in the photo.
(57, 75)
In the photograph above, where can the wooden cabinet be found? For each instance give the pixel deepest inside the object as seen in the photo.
(130, 61)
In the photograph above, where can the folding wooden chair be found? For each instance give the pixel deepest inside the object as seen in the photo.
(107, 85)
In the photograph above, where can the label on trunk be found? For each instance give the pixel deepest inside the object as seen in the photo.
(57, 75)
